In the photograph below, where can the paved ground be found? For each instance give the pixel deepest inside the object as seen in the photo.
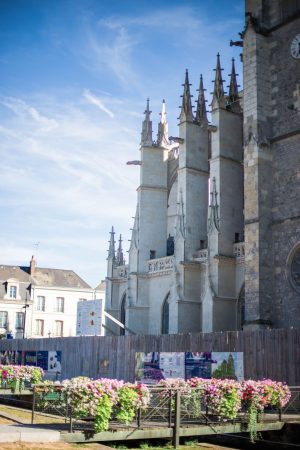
(51, 446)
(26, 433)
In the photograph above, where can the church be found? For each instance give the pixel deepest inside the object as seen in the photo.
(215, 242)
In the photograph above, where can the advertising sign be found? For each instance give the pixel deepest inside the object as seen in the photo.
(152, 367)
(54, 361)
(89, 318)
(49, 361)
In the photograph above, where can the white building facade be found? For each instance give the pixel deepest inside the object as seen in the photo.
(40, 302)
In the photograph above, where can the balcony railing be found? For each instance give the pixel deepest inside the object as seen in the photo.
(239, 250)
(202, 254)
(161, 266)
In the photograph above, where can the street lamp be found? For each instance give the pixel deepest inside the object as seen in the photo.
(25, 307)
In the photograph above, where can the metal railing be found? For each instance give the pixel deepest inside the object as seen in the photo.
(293, 406)
(50, 401)
(168, 408)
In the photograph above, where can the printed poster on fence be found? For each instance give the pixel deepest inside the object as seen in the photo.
(154, 366)
(49, 361)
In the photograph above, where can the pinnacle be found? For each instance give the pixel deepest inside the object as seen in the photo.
(120, 255)
(233, 96)
(146, 138)
(218, 100)
(111, 250)
(201, 116)
(163, 132)
(186, 114)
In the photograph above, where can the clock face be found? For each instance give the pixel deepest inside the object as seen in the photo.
(295, 47)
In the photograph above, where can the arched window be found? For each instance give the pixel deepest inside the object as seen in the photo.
(240, 313)
(123, 314)
(165, 315)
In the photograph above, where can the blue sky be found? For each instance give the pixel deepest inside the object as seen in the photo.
(74, 79)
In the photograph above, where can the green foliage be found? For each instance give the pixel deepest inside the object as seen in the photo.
(103, 413)
(127, 401)
(228, 405)
(37, 375)
(191, 443)
(252, 422)
(192, 402)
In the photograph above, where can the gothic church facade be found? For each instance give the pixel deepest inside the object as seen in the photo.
(231, 262)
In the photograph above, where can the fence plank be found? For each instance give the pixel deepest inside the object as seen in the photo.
(267, 353)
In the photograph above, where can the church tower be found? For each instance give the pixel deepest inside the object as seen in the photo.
(225, 217)
(271, 58)
(192, 194)
(152, 192)
(150, 229)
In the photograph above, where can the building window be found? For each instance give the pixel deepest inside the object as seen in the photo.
(152, 254)
(237, 238)
(165, 316)
(39, 327)
(19, 321)
(40, 304)
(3, 319)
(12, 291)
(60, 304)
(59, 325)
(170, 245)
(123, 314)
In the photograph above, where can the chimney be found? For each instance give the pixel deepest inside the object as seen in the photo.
(32, 266)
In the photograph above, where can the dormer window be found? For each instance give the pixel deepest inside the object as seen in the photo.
(12, 291)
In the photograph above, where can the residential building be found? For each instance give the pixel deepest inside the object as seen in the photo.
(41, 302)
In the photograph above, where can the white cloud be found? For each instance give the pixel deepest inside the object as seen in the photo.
(20, 107)
(65, 187)
(98, 102)
(114, 53)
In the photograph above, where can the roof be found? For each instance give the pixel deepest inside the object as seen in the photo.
(43, 277)
(101, 286)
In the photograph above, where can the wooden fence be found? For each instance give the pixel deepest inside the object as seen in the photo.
(267, 353)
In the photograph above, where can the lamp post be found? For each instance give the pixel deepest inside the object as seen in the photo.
(25, 307)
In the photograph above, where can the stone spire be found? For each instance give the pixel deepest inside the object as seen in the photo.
(186, 114)
(163, 130)
(218, 100)
(146, 138)
(111, 250)
(201, 116)
(213, 219)
(120, 255)
(233, 95)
